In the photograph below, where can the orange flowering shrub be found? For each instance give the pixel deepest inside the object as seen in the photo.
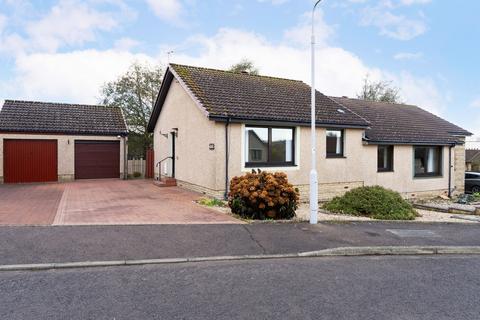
(263, 195)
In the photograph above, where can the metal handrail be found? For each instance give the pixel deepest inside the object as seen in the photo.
(160, 168)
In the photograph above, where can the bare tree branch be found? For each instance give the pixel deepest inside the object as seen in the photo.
(379, 91)
(245, 65)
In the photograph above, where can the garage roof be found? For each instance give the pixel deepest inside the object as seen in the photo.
(47, 117)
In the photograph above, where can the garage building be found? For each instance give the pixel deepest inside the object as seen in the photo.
(45, 142)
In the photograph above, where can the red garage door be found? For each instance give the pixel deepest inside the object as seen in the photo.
(29, 161)
(97, 159)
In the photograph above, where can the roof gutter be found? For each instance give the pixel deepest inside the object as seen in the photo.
(416, 143)
(286, 122)
(66, 133)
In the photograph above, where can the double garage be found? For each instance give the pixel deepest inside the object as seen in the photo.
(84, 150)
(37, 160)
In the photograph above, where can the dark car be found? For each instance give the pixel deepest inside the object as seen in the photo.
(472, 182)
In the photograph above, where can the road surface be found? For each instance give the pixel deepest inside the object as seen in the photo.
(419, 287)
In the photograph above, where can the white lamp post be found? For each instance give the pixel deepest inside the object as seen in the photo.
(313, 140)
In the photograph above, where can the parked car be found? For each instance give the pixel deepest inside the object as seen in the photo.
(472, 182)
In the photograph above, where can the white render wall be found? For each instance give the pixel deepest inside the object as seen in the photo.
(66, 151)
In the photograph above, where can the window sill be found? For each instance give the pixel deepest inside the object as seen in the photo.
(336, 157)
(272, 168)
(382, 171)
(428, 177)
(272, 165)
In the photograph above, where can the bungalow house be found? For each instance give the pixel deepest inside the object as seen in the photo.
(210, 125)
(47, 142)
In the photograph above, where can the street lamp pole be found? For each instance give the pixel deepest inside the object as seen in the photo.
(313, 139)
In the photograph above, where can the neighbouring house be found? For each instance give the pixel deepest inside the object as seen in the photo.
(210, 125)
(472, 159)
(42, 142)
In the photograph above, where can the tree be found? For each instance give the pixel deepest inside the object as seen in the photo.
(135, 93)
(379, 91)
(245, 65)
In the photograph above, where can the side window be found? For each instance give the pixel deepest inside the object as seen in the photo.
(384, 158)
(335, 140)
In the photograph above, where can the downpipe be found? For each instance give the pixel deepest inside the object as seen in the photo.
(227, 154)
(450, 171)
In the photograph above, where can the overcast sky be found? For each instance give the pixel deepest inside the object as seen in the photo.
(64, 50)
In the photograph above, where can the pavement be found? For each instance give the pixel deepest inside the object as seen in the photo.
(420, 287)
(105, 202)
(59, 244)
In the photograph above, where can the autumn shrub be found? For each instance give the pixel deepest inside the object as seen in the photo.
(374, 202)
(263, 195)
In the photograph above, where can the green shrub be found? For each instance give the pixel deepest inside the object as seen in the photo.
(137, 174)
(263, 195)
(375, 202)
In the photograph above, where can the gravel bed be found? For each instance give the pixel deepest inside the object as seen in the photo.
(303, 214)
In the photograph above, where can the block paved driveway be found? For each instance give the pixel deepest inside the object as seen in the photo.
(103, 202)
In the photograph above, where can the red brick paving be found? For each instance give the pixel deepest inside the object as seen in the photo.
(132, 202)
(32, 204)
(90, 202)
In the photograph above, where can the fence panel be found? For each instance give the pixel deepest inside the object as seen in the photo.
(136, 168)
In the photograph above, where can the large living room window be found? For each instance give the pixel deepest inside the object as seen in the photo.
(384, 158)
(334, 143)
(269, 146)
(427, 161)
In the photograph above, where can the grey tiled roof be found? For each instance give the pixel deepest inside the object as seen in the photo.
(250, 97)
(401, 123)
(245, 97)
(43, 117)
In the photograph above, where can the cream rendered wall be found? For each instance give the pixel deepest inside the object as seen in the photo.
(330, 170)
(335, 175)
(338, 175)
(203, 170)
(401, 179)
(195, 164)
(65, 149)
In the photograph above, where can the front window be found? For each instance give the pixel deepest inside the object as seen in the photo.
(334, 143)
(385, 158)
(269, 146)
(428, 161)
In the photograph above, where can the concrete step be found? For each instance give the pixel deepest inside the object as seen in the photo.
(166, 182)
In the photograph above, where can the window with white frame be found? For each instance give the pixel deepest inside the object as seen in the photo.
(269, 146)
